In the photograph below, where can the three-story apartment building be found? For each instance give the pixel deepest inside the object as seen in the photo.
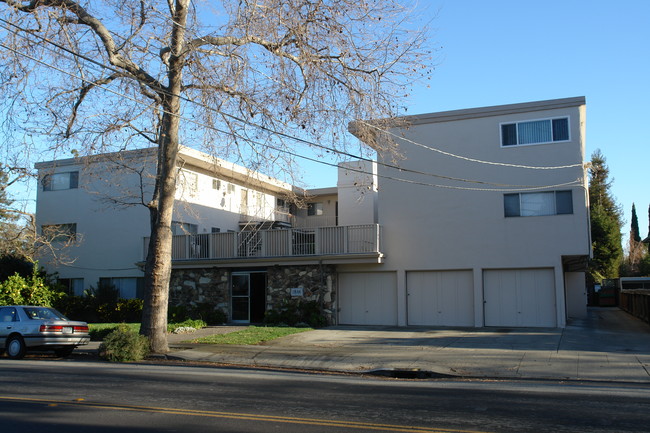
(483, 221)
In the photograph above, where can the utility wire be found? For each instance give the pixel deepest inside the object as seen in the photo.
(503, 164)
(310, 143)
(518, 187)
(317, 145)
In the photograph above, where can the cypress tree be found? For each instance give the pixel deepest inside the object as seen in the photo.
(634, 229)
(605, 223)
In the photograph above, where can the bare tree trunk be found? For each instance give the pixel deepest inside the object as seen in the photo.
(159, 257)
(159, 264)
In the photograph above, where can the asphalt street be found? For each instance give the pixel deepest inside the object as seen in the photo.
(72, 396)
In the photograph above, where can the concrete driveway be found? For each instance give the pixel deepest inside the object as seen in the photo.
(608, 345)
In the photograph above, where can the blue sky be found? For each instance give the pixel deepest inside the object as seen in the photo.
(502, 52)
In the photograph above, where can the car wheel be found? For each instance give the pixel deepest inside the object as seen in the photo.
(64, 351)
(16, 347)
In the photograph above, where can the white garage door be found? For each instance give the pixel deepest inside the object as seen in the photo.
(519, 297)
(440, 298)
(368, 298)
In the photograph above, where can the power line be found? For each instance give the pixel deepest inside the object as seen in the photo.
(317, 145)
(503, 164)
(232, 133)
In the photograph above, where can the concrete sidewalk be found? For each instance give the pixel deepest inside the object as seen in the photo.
(608, 345)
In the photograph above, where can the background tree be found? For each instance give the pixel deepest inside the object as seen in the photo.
(636, 250)
(237, 78)
(634, 226)
(16, 242)
(647, 239)
(605, 223)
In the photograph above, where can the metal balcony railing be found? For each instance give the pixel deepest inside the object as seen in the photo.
(337, 240)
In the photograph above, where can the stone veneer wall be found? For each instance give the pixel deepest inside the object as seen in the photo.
(189, 287)
(317, 281)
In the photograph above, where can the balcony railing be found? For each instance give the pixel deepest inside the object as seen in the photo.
(339, 240)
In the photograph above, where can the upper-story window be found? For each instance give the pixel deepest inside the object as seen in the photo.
(314, 209)
(538, 203)
(535, 131)
(181, 228)
(59, 232)
(59, 181)
(188, 182)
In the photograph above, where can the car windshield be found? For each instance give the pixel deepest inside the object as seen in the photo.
(42, 313)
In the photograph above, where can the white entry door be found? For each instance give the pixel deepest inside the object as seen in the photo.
(440, 298)
(519, 297)
(368, 298)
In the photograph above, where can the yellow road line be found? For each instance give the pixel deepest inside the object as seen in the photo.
(242, 416)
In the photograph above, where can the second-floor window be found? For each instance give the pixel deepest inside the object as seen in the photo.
(314, 209)
(59, 232)
(538, 203)
(535, 132)
(181, 228)
(60, 181)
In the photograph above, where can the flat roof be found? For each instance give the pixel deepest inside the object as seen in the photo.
(357, 128)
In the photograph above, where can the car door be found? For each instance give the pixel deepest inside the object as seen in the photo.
(7, 323)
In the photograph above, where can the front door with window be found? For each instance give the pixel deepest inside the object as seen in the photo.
(248, 296)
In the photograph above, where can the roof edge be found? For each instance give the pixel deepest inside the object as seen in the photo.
(357, 128)
(495, 110)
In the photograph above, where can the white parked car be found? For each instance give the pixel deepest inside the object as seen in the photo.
(26, 327)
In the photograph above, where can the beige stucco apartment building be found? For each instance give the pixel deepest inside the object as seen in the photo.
(482, 220)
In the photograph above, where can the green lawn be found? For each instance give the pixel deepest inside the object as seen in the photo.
(98, 331)
(251, 335)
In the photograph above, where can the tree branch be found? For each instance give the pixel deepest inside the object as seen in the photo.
(83, 17)
(82, 95)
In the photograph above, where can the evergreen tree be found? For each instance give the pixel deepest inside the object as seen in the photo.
(647, 240)
(14, 243)
(605, 223)
(634, 229)
(5, 202)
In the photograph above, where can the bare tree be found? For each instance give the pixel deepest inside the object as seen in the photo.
(235, 78)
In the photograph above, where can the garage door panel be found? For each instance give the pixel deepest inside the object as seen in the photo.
(440, 298)
(519, 297)
(368, 298)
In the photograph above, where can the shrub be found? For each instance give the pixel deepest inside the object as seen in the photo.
(129, 310)
(99, 331)
(124, 345)
(12, 264)
(296, 312)
(32, 290)
(101, 305)
(209, 313)
(177, 313)
(78, 308)
(205, 311)
(105, 293)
